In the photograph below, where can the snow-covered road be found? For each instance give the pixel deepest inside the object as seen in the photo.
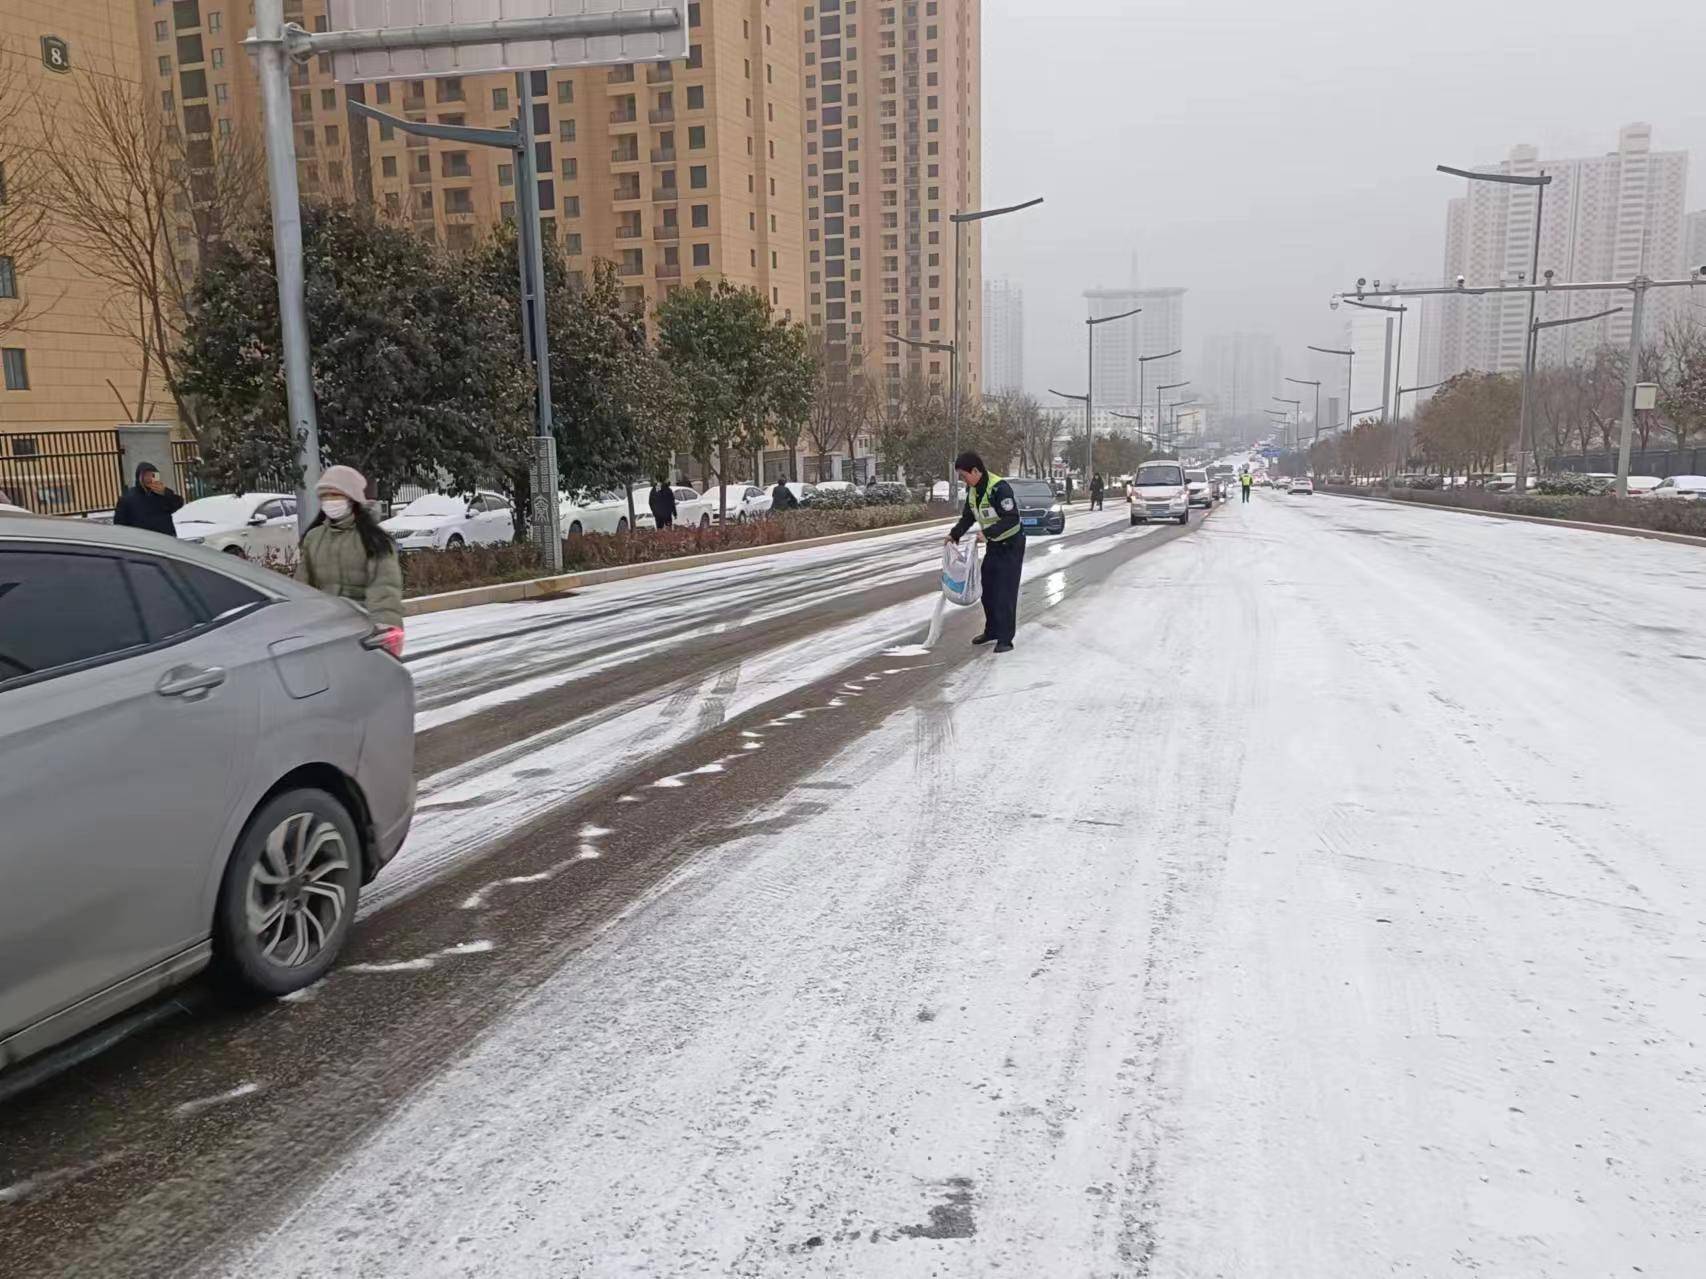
(1324, 895)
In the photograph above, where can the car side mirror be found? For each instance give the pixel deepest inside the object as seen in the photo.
(257, 520)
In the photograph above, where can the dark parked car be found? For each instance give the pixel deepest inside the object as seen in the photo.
(1040, 510)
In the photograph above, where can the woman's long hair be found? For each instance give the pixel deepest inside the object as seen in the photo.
(374, 540)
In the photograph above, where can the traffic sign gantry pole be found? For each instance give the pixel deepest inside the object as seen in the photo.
(656, 34)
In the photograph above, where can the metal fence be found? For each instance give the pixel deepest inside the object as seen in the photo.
(79, 472)
(1659, 462)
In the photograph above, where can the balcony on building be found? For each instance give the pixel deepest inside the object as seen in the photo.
(625, 152)
(623, 74)
(663, 155)
(660, 73)
(665, 195)
(624, 115)
(666, 231)
(627, 190)
(668, 270)
(661, 115)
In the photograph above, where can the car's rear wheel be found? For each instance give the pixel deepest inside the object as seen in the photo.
(289, 894)
(455, 543)
(235, 550)
(704, 521)
(575, 529)
(622, 525)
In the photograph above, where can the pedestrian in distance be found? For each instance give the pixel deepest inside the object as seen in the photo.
(149, 504)
(662, 502)
(1096, 492)
(782, 497)
(345, 553)
(1244, 482)
(991, 506)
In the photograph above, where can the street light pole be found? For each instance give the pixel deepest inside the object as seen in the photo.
(1090, 383)
(1386, 381)
(1539, 182)
(1316, 420)
(1350, 367)
(1171, 386)
(959, 220)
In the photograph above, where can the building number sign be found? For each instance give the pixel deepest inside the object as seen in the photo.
(55, 54)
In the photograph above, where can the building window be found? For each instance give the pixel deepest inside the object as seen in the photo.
(218, 59)
(571, 168)
(166, 101)
(17, 368)
(222, 94)
(693, 14)
(566, 92)
(572, 242)
(450, 89)
(701, 257)
(695, 97)
(506, 175)
(8, 279)
(459, 200)
(695, 55)
(159, 30)
(571, 206)
(382, 92)
(506, 211)
(701, 215)
(331, 132)
(698, 177)
(565, 130)
(328, 99)
(388, 166)
(165, 66)
(696, 137)
(224, 127)
(500, 99)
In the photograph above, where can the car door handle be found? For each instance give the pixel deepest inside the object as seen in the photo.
(192, 683)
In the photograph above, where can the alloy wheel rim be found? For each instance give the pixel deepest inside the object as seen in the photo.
(295, 895)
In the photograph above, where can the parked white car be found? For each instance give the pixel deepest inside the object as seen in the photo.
(605, 512)
(939, 491)
(1683, 488)
(1642, 485)
(837, 486)
(693, 508)
(256, 526)
(448, 522)
(745, 502)
(1158, 492)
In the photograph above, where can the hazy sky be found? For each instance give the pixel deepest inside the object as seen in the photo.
(1263, 154)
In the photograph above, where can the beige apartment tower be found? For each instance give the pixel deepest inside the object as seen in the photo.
(892, 138)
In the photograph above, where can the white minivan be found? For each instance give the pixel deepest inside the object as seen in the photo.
(1159, 492)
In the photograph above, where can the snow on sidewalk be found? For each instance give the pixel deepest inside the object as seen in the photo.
(1337, 912)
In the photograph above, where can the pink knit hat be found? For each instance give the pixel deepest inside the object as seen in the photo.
(345, 480)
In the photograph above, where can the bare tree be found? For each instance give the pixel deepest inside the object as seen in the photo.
(141, 205)
(23, 211)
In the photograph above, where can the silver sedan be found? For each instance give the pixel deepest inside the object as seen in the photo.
(201, 762)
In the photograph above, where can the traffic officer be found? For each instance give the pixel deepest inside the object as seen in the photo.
(991, 506)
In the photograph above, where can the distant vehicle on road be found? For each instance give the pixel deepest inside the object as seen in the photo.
(1040, 510)
(257, 526)
(1302, 484)
(1158, 492)
(201, 762)
(1680, 488)
(448, 522)
(1200, 487)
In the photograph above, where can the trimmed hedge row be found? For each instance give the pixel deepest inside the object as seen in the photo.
(1658, 516)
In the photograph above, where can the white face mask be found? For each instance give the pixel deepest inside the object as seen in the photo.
(336, 508)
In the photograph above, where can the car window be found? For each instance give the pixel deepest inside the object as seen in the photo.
(61, 608)
(272, 510)
(166, 610)
(686, 495)
(1032, 492)
(218, 594)
(1149, 475)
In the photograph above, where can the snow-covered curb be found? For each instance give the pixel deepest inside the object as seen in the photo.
(1657, 535)
(541, 587)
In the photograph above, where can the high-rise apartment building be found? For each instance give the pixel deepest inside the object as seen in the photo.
(1605, 218)
(1124, 377)
(1003, 337)
(62, 341)
(1240, 372)
(891, 151)
(673, 171)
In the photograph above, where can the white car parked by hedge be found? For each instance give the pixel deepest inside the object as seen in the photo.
(447, 522)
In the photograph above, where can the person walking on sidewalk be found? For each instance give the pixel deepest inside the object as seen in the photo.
(662, 502)
(149, 504)
(991, 506)
(1244, 482)
(1096, 492)
(345, 553)
(782, 497)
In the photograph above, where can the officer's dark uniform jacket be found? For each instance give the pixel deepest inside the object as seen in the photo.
(992, 505)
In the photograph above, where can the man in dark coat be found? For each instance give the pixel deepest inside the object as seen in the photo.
(149, 504)
(662, 502)
(782, 497)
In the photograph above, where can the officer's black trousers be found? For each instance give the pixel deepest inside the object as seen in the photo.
(1002, 563)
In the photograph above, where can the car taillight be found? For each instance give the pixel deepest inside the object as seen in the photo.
(388, 638)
